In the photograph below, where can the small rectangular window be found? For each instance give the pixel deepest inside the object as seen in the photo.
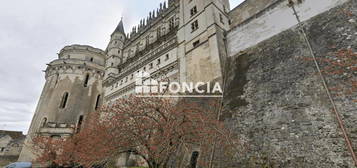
(97, 103)
(196, 43)
(158, 61)
(194, 25)
(172, 22)
(193, 11)
(64, 100)
(86, 80)
(79, 124)
(221, 18)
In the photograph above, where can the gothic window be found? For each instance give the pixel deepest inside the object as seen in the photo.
(86, 80)
(79, 124)
(97, 103)
(64, 100)
(194, 158)
(44, 122)
(194, 25)
(193, 11)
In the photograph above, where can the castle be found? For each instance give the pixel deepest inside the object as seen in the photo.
(185, 40)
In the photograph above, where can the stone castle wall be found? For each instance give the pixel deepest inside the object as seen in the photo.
(275, 99)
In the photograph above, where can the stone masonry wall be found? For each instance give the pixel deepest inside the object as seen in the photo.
(278, 103)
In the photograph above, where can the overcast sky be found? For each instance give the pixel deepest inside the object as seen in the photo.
(33, 31)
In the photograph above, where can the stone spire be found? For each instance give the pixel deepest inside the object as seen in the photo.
(120, 27)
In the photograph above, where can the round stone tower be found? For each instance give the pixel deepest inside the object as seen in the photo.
(72, 90)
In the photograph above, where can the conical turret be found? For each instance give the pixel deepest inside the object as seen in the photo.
(120, 27)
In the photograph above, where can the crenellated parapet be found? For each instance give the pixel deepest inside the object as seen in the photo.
(154, 17)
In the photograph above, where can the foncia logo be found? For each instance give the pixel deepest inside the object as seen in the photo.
(145, 86)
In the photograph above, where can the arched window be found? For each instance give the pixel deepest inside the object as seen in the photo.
(64, 100)
(194, 158)
(44, 122)
(86, 80)
(79, 124)
(97, 103)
